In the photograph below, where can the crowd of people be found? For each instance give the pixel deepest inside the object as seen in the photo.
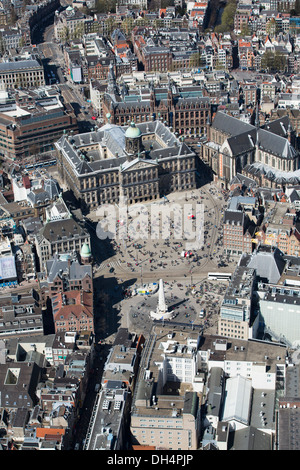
(159, 240)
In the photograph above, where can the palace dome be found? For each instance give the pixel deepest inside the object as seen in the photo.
(132, 132)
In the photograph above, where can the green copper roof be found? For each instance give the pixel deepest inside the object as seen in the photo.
(85, 250)
(132, 131)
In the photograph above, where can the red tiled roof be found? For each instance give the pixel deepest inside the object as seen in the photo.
(55, 432)
(73, 303)
(140, 447)
(26, 181)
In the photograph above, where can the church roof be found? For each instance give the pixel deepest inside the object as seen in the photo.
(278, 176)
(230, 125)
(275, 144)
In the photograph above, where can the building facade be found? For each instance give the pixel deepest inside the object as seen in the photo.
(183, 108)
(64, 273)
(268, 154)
(31, 125)
(62, 237)
(22, 73)
(139, 162)
(20, 314)
(240, 222)
(159, 416)
(73, 311)
(236, 316)
(69, 23)
(279, 312)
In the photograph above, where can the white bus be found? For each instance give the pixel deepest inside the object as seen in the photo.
(219, 276)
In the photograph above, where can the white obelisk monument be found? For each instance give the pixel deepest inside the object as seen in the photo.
(162, 311)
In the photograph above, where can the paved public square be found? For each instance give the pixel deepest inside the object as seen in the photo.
(184, 302)
(149, 258)
(123, 265)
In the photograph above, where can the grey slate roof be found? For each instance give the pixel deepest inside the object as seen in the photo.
(52, 188)
(14, 394)
(215, 391)
(279, 176)
(32, 225)
(294, 196)
(230, 125)
(113, 137)
(279, 126)
(268, 263)
(250, 438)
(18, 65)
(275, 144)
(75, 270)
(239, 178)
(242, 143)
(235, 217)
(62, 228)
(243, 137)
(38, 197)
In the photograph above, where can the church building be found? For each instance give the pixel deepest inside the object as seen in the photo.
(269, 154)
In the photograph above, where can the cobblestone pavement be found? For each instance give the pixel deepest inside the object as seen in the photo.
(133, 263)
(153, 258)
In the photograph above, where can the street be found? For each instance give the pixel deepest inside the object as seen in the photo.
(56, 73)
(127, 262)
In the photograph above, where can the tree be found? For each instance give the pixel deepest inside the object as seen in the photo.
(65, 34)
(272, 28)
(2, 45)
(297, 7)
(127, 25)
(267, 60)
(34, 149)
(280, 62)
(245, 30)
(221, 28)
(196, 60)
(227, 21)
(13, 15)
(87, 11)
(104, 6)
(78, 31)
(218, 65)
(158, 23)
(110, 24)
(273, 62)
